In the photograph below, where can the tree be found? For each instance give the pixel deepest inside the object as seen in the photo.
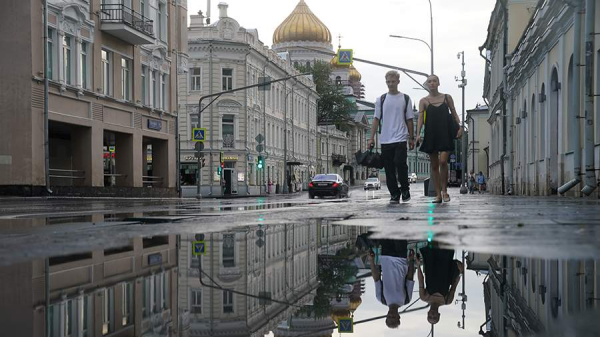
(332, 107)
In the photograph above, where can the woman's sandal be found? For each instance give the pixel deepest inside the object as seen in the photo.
(437, 200)
(446, 197)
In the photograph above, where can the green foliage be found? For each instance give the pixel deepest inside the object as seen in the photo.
(333, 107)
(333, 274)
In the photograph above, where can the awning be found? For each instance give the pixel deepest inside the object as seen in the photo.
(294, 163)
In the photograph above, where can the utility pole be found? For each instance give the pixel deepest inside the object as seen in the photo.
(463, 157)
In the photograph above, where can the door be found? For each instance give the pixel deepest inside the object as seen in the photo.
(227, 173)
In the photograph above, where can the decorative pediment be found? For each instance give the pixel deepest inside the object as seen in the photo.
(228, 28)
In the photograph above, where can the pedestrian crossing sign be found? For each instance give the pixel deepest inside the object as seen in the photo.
(346, 325)
(198, 134)
(199, 248)
(344, 57)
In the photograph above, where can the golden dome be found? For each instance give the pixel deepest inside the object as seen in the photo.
(302, 25)
(355, 303)
(354, 75)
(340, 313)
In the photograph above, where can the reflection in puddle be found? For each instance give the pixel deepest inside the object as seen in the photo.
(311, 279)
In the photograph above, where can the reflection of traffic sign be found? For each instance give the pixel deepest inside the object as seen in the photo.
(260, 243)
(111, 149)
(346, 325)
(344, 57)
(198, 134)
(199, 248)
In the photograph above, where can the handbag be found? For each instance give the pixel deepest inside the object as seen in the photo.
(453, 126)
(369, 159)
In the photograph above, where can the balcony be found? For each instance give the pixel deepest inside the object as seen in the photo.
(126, 24)
(338, 159)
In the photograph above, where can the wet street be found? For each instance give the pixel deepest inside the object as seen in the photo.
(290, 266)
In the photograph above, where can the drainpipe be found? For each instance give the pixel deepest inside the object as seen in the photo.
(212, 129)
(575, 105)
(246, 122)
(507, 109)
(46, 94)
(590, 173)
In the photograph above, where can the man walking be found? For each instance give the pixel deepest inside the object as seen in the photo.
(393, 112)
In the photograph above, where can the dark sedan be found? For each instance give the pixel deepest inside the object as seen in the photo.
(327, 184)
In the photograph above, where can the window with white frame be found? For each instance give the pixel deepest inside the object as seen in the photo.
(147, 297)
(67, 46)
(162, 21)
(108, 300)
(163, 92)
(228, 130)
(165, 291)
(51, 54)
(227, 301)
(153, 89)
(144, 85)
(195, 79)
(143, 7)
(228, 250)
(106, 71)
(196, 302)
(127, 303)
(227, 79)
(126, 79)
(83, 65)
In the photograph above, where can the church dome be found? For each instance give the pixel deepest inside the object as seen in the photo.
(302, 25)
(354, 75)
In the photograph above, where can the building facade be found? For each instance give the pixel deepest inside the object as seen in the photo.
(111, 69)
(479, 140)
(225, 56)
(539, 139)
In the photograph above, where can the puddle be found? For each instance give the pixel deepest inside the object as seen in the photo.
(307, 279)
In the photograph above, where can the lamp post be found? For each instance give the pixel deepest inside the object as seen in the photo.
(430, 44)
(462, 85)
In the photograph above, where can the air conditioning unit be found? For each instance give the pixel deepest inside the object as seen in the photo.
(523, 114)
(518, 120)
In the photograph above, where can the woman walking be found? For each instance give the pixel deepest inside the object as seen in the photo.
(438, 114)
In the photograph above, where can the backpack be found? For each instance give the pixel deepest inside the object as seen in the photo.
(382, 99)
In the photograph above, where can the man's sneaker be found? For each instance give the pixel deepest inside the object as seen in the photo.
(405, 196)
(395, 199)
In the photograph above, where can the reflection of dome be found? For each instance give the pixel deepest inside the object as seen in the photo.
(337, 314)
(355, 302)
(302, 25)
(354, 75)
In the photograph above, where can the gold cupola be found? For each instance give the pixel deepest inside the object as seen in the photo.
(302, 25)
(354, 75)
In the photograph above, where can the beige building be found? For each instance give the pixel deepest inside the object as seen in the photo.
(112, 97)
(479, 140)
(225, 56)
(537, 114)
(123, 291)
(540, 295)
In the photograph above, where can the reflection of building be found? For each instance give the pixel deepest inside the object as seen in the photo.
(123, 291)
(537, 119)
(225, 56)
(111, 71)
(538, 295)
(275, 261)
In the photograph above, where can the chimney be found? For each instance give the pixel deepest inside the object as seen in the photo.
(223, 10)
(197, 20)
(208, 12)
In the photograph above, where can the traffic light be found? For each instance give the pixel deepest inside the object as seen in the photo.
(221, 163)
(261, 162)
(203, 162)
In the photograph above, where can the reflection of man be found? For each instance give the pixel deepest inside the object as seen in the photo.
(393, 278)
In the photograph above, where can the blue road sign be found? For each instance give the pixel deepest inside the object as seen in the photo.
(199, 248)
(346, 325)
(344, 57)
(198, 134)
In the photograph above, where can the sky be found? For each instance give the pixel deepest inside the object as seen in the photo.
(365, 26)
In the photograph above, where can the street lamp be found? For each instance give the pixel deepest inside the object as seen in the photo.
(430, 44)
(462, 85)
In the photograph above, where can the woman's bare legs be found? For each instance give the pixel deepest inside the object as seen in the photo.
(434, 161)
(444, 171)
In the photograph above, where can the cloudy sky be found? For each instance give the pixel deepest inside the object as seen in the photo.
(365, 27)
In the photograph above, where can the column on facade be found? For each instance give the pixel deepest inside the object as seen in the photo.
(77, 54)
(61, 68)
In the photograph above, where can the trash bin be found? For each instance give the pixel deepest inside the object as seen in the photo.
(426, 185)
(277, 189)
(429, 190)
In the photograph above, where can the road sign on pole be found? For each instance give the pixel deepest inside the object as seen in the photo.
(259, 148)
(260, 138)
(199, 248)
(344, 57)
(198, 134)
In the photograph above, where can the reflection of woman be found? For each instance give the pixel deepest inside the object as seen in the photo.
(436, 112)
(443, 274)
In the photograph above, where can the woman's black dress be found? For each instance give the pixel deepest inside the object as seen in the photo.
(438, 137)
(440, 270)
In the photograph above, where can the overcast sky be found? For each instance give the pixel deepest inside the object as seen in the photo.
(365, 27)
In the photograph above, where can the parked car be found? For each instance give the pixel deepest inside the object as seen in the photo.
(413, 178)
(327, 185)
(372, 183)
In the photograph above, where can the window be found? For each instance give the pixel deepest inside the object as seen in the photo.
(108, 300)
(227, 78)
(227, 301)
(126, 79)
(144, 85)
(153, 89)
(165, 291)
(228, 250)
(228, 131)
(163, 91)
(106, 69)
(194, 121)
(50, 60)
(162, 22)
(83, 65)
(85, 310)
(195, 79)
(196, 302)
(146, 297)
(143, 7)
(66, 45)
(127, 303)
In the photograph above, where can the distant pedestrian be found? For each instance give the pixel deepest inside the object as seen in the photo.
(393, 112)
(481, 181)
(472, 182)
(438, 114)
